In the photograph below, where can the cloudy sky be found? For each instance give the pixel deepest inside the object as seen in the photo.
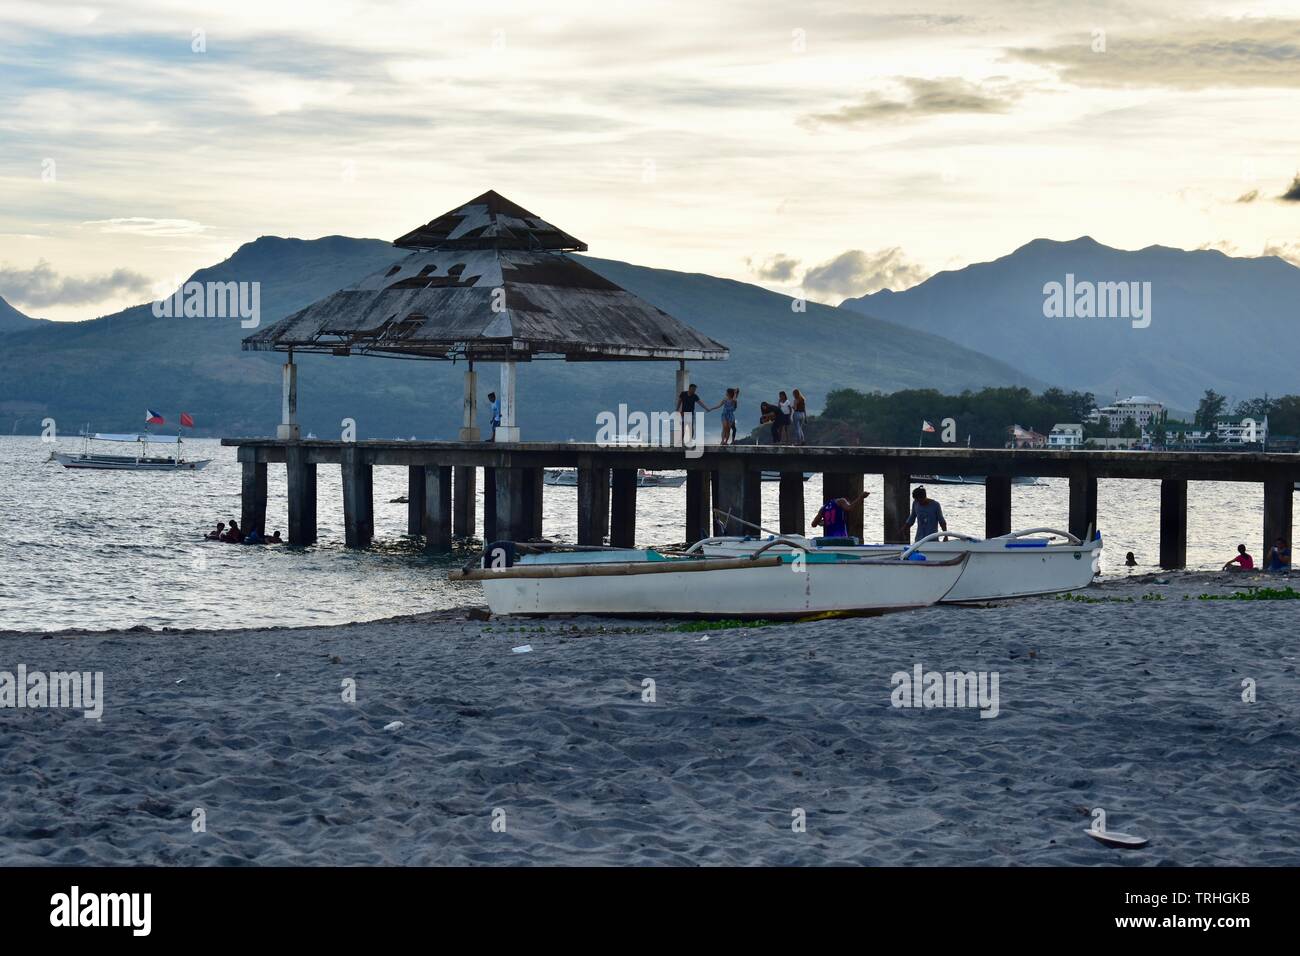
(830, 147)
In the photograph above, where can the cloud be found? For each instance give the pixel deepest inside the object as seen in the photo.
(1206, 54)
(921, 97)
(857, 273)
(1290, 251)
(1293, 193)
(41, 286)
(142, 226)
(778, 268)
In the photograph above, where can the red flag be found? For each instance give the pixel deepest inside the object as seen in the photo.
(187, 420)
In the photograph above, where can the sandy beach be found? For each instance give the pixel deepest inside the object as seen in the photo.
(555, 756)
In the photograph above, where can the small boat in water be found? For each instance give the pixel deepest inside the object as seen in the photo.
(970, 479)
(765, 584)
(1020, 564)
(776, 475)
(140, 461)
(568, 478)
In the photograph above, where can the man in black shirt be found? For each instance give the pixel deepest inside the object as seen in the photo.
(687, 402)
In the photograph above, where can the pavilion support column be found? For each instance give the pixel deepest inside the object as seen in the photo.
(1173, 523)
(1083, 501)
(593, 502)
(287, 430)
(301, 479)
(466, 477)
(1278, 514)
(490, 506)
(436, 508)
(469, 419)
(358, 497)
(997, 505)
(507, 431)
(897, 504)
(846, 485)
(622, 509)
(252, 504)
(415, 500)
(792, 516)
(698, 522)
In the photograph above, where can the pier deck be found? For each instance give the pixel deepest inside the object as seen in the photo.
(442, 484)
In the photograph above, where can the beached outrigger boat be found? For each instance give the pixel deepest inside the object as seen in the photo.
(1020, 564)
(140, 461)
(792, 583)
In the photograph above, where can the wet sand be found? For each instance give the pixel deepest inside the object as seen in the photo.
(554, 757)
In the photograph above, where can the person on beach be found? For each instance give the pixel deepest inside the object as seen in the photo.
(800, 414)
(927, 515)
(687, 402)
(833, 518)
(1242, 562)
(496, 416)
(216, 535)
(1279, 556)
(728, 406)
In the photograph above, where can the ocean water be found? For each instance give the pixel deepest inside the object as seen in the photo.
(98, 550)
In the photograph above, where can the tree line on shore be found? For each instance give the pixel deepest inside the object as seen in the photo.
(981, 419)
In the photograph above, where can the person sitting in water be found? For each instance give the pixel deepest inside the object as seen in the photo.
(275, 539)
(1130, 561)
(1242, 562)
(233, 535)
(1279, 556)
(254, 537)
(216, 534)
(927, 515)
(833, 518)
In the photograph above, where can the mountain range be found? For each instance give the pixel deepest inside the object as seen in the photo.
(105, 372)
(11, 320)
(1215, 321)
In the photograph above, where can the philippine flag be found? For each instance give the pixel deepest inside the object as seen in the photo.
(926, 426)
(153, 418)
(187, 420)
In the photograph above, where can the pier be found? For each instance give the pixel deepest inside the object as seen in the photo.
(442, 491)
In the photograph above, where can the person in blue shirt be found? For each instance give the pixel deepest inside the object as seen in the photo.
(833, 518)
(927, 515)
(496, 415)
(1279, 557)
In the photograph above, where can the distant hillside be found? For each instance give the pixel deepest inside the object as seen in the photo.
(11, 320)
(107, 371)
(1218, 322)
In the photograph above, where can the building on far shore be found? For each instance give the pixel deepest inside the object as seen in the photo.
(1143, 409)
(1018, 437)
(1069, 435)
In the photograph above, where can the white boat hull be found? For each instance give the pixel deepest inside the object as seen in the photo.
(994, 572)
(766, 587)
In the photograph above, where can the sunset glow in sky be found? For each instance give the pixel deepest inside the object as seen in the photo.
(833, 147)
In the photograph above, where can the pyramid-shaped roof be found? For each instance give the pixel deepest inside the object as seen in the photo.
(490, 221)
(489, 281)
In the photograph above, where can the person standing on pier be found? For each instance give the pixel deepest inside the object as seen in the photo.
(496, 416)
(784, 413)
(728, 406)
(927, 515)
(800, 414)
(833, 518)
(687, 402)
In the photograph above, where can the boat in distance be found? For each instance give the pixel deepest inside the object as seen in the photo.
(766, 584)
(140, 461)
(970, 479)
(568, 478)
(1024, 563)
